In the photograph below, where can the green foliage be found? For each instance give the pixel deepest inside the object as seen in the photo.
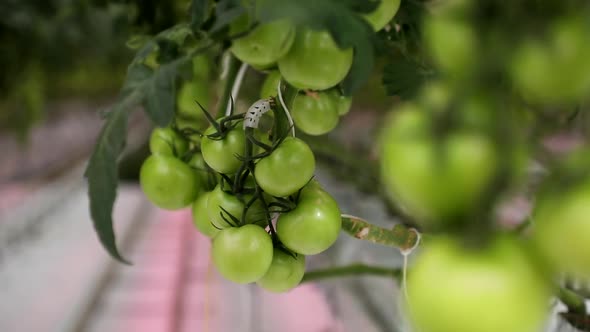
(404, 78)
(155, 89)
(102, 173)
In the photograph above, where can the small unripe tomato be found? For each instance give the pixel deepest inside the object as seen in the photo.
(168, 182)
(285, 272)
(315, 113)
(489, 289)
(242, 254)
(315, 62)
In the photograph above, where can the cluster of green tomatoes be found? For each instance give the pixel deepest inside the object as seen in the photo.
(306, 59)
(252, 191)
(253, 194)
(237, 189)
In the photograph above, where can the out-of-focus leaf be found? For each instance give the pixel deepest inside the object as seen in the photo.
(199, 11)
(404, 77)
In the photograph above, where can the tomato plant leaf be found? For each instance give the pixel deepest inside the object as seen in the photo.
(102, 173)
(160, 96)
(199, 11)
(404, 77)
(226, 11)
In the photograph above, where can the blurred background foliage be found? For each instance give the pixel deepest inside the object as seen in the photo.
(57, 49)
(69, 48)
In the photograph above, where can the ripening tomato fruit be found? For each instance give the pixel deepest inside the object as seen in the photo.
(189, 94)
(167, 141)
(452, 44)
(168, 182)
(556, 70)
(285, 272)
(315, 61)
(315, 113)
(313, 226)
(287, 169)
(562, 229)
(489, 289)
(197, 162)
(201, 218)
(266, 44)
(223, 204)
(221, 154)
(434, 179)
(343, 103)
(242, 254)
(383, 14)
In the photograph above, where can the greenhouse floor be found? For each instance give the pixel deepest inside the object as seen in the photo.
(56, 277)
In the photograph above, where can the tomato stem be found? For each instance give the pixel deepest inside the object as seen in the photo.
(401, 237)
(574, 302)
(233, 66)
(351, 270)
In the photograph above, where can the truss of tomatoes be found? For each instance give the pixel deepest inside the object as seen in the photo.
(237, 185)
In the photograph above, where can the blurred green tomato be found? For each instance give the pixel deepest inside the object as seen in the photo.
(434, 179)
(558, 70)
(266, 44)
(562, 229)
(491, 289)
(452, 44)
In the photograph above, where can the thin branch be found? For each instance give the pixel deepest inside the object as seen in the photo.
(232, 68)
(351, 270)
(574, 302)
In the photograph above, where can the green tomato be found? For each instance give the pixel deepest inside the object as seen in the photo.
(434, 180)
(197, 163)
(343, 103)
(269, 87)
(315, 61)
(201, 68)
(188, 95)
(285, 272)
(267, 43)
(316, 113)
(487, 289)
(220, 200)
(221, 154)
(562, 229)
(287, 169)
(383, 14)
(242, 255)
(167, 141)
(557, 71)
(201, 218)
(452, 44)
(168, 182)
(313, 226)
